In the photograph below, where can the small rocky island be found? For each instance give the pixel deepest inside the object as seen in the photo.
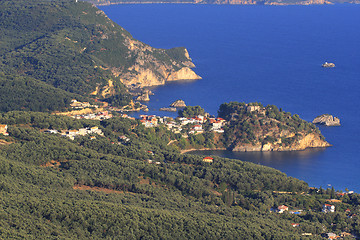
(328, 65)
(178, 104)
(327, 120)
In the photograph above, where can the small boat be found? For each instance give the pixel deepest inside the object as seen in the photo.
(328, 65)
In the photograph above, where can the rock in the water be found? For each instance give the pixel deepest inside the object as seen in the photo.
(178, 103)
(144, 97)
(328, 65)
(327, 120)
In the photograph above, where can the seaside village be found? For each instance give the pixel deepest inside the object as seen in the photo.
(85, 110)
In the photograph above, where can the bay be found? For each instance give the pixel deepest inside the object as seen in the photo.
(272, 55)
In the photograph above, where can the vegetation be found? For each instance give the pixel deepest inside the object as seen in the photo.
(64, 50)
(54, 187)
(191, 111)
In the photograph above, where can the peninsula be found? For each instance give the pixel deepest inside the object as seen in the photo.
(240, 127)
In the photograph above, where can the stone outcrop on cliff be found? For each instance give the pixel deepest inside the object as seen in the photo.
(327, 120)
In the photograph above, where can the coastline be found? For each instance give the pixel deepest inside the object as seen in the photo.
(200, 149)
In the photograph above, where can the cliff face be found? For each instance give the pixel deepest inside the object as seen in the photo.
(151, 66)
(311, 140)
(252, 127)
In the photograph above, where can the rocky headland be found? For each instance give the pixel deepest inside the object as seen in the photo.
(253, 127)
(327, 120)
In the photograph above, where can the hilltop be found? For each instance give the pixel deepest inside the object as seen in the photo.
(55, 51)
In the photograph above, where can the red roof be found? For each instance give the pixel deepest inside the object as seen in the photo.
(283, 207)
(208, 158)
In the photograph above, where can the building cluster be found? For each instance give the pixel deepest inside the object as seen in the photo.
(94, 116)
(80, 132)
(328, 208)
(80, 105)
(177, 125)
(3, 129)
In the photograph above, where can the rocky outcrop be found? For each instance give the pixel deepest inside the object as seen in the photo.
(184, 73)
(328, 65)
(311, 140)
(144, 97)
(178, 104)
(152, 66)
(327, 120)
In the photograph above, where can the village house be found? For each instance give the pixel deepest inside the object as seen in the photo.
(208, 159)
(198, 128)
(328, 208)
(79, 105)
(82, 132)
(295, 224)
(258, 109)
(124, 138)
(51, 131)
(282, 208)
(331, 236)
(3, 129)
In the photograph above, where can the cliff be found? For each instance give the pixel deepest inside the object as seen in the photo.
(310, 140)
(252, 127)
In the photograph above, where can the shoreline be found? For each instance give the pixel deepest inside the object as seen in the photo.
(200, 149)
(195, 3)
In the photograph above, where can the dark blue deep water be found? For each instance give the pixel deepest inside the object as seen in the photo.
(271, 55)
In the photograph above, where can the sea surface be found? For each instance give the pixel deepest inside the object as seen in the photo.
(272, 55)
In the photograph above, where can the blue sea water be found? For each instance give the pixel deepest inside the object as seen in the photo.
(272, 55)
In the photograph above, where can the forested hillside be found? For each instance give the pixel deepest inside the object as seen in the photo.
(59, 50)
(53, 187)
